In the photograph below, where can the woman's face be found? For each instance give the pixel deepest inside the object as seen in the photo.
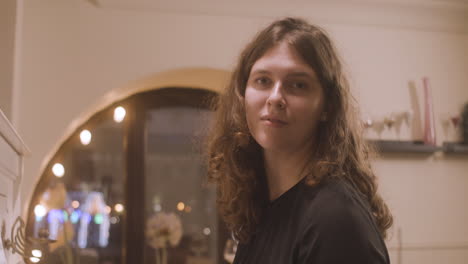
(284, 101)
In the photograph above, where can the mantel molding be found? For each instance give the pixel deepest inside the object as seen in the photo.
(11, 136)
(420, 15)
(425, 15)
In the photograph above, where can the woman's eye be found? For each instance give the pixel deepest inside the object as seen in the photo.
(262, 81)
(299, 85)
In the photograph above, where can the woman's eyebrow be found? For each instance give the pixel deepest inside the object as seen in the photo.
(261, 71)
(303, 74)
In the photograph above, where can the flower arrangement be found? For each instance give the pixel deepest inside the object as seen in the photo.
(163, 230)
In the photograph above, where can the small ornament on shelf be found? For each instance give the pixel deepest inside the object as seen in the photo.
(401, 117)
(389, 121)
(368, 122)
(392, 121)
(455, 120)
(451, 126)
(378, 126)
(429, 126)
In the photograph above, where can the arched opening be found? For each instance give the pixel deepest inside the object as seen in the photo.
(132, 191)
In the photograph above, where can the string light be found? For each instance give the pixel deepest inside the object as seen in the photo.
(36, 253)
(34, 259)
(157, 208)
(85, 137)
(58, 170)
(180, 206)
(75, 204)
(40, 210)
(119, 114)
(207, 231)
(114, 220)
(119, 208)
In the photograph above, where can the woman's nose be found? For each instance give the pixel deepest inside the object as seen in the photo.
(276, 97)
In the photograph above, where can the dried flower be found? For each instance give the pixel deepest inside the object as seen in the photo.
(163, 230)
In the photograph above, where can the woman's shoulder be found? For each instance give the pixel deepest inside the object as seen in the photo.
(332, 200)
(336, 219)
(330, 190)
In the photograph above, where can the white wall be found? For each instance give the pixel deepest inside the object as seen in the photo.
(7, 44)
(73, 53)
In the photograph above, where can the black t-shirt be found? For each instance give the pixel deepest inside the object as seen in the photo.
(323, 224)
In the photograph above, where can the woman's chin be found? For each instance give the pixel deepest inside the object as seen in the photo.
(274, 146)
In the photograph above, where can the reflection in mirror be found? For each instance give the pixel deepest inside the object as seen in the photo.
(82, 196)
(79, 204)
(181, 218)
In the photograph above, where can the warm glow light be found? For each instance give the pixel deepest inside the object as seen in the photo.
(180, 206)
(36, 253)
(188, 209)
(206, 231)
(108, 209)
(34, 259)
(119, 114)
(85, 137)
(119, 208)
(75, 204)
(40, 210)
(58, 170)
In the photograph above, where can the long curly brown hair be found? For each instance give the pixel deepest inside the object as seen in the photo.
(235, 161)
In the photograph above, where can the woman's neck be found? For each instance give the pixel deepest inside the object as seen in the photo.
(283, 170)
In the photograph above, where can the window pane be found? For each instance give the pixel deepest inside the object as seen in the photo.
(181, 218)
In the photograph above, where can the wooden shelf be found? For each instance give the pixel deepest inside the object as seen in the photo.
(455, 148)
(396, 146)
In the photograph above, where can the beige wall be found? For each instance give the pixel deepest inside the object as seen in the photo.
(73, 54)
(7, 42)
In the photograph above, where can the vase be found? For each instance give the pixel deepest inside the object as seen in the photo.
(429, 124)
(464, 125)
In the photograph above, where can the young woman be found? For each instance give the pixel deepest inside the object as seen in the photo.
(287, 155)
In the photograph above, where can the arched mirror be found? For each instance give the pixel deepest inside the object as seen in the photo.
(129, 186)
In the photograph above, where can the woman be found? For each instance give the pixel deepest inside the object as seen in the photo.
(287, 155)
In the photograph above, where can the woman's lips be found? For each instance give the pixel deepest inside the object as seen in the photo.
(274, 122)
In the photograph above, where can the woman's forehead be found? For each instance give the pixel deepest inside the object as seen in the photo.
(282, 57)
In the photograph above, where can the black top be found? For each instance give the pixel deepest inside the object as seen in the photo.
(324, 224)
